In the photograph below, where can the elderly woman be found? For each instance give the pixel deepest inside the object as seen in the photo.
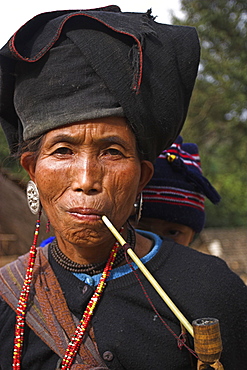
(89, 99)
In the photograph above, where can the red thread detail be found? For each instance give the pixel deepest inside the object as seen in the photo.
(180, 340)
(46, 48)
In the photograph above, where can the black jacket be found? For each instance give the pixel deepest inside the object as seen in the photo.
(128, 333)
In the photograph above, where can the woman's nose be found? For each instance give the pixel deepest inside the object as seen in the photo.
(87, 176)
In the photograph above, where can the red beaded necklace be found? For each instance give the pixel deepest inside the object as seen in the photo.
(23, 300)
(81, 328)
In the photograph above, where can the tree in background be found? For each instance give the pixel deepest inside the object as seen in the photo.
(8, 163)
(217, 119)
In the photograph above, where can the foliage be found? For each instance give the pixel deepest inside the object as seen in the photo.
(9, 163)
(217, 118)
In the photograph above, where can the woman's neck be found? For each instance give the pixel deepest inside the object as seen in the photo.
(99, 253)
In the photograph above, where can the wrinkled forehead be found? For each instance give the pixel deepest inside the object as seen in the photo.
(99, 128)
(95, 134)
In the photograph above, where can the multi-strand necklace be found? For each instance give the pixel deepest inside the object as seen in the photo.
(76, 340)
(92, 268)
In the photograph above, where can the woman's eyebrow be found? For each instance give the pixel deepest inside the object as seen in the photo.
(64, 138)
(71, 139)
(114, 140)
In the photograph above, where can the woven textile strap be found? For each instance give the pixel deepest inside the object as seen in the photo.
(54, 326)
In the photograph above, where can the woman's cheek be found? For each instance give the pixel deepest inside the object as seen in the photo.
(54, 172)
(125, 194)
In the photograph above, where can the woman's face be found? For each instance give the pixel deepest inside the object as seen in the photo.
(86, 170)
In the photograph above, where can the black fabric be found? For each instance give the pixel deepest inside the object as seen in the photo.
(36, 354)
(53, 96)
(129, 333)
(149, 69)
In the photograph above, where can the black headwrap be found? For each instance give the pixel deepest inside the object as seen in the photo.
(65, 66)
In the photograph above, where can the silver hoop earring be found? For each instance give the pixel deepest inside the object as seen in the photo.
(138, 207)
(33, 197)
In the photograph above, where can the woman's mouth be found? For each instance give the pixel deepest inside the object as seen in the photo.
(85, 214)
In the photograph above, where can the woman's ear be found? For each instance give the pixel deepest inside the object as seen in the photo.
(147, 170)
(28, 162)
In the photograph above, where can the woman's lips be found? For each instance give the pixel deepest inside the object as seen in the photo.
(85, 214)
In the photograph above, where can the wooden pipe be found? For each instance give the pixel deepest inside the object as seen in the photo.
(207, 343)
(206, 332)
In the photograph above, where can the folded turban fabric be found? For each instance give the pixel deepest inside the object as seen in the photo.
(68, 66)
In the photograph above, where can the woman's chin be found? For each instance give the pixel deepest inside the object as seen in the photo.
(84, 237)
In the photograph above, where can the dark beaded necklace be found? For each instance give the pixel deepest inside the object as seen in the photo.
(91, 268)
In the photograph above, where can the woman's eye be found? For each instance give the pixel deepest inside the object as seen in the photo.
(63, 151)
(113, 152)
